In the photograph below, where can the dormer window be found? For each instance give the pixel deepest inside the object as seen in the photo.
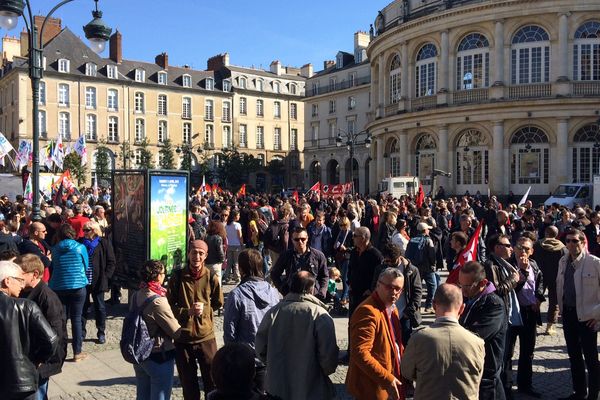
(209, 83)
(91, 69)
(339, 61)
(63, 65)
(140, 75)
(111, 71)
(259, 85)
(242, 82)
(162, 78)
(187, 81)
(293, 89)
(276, 87)
(226, 86)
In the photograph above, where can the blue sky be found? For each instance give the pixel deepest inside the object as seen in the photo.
(253, 32)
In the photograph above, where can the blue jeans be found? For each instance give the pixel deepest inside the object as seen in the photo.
(72, 301)
(432, 281)
(42, 392)
(99, 312)
(154, 381)
(344, 272)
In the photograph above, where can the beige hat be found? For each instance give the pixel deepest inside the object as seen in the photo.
(421, 226)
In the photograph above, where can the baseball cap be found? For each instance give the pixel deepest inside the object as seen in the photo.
(421, 226)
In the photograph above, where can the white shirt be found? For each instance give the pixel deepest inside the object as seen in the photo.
(232, 233)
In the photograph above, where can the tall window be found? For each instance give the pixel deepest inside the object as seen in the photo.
(395, 71)
(91, 127)
(260, 137)
(394, 157)
(63, 65)
(243, 106)
(163, 134)
(64, 125)
(315, 110)
(586, 52)
(186, 108)
(209, 83)
(227, 139)
(63, 94)
(259, 85)
(530, 56)
(276, 87)
(473, 62)
(209, 136)
(293, 88)
(277, 139)
(277, 109)
(111, 71)
(227, 86)
(113, 129)
(91, 69)
(162, 78)
(187, 133)
(42, 100)
(226, 111)
(242, 82)
(243, 135)
(425, 154)
(331, 106)
(351, 103)
(140, 75)
(139, 105)
(90, 98)
(351, 126)
(529, 156)
(259, 108)
(140, 130)
(187, 81)
(209, 110)
(162, 104)
(293, 111)
(426, 71)
(42, 123)
(586, 156)
(472, 162)
(112, 101)
(293, 139)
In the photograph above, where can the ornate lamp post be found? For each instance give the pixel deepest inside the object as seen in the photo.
(352, 139)
(96, 32)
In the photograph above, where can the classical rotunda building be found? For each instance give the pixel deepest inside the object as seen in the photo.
(501, 93)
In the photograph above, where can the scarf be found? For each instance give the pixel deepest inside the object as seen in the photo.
(196, 273)
(155, 287)
(91, 245)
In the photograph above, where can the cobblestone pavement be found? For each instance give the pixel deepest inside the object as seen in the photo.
(106, 376)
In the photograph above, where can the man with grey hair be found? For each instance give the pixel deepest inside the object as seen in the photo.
(26, 338)
(363, 260)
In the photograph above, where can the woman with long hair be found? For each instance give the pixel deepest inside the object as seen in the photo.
(234, 246)
(215, 239)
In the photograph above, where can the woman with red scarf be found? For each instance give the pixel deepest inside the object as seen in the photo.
(154, 375)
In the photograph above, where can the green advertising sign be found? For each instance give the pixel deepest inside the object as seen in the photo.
(168, 219)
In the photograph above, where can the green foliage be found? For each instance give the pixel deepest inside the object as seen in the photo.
(234, 167)
(145, 155)
(72, 162)
(276, 168)
(186, 157)
(167, 159)
(103, 162)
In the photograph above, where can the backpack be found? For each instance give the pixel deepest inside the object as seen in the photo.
(262, 227)
(136, 343)
(415, 251)
(274, 237)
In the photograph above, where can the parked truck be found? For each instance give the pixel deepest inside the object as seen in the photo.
(571, 194)
(399, 186)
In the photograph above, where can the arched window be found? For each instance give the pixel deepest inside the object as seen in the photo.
(395, 69)
(529, 152)
(425, 154)
(530, 56)
(586, 52)
(425, 73)
(473, 62)
(586, 153)
(472, 160)
(315, 172)
(333, 172)
(394, 154)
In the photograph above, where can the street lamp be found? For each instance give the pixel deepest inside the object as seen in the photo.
(351, 141)
(96, 32)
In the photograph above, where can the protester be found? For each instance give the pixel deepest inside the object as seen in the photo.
(216, 237)
(421, 253)
(36, 244)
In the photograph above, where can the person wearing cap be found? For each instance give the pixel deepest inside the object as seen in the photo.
(78, 220)
(194, 293)
(421, 252)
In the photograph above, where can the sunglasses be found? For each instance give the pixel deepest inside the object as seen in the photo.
(507, 245)
(389, 286)
(86, 229)
(301, 239)
(523, 248)
(572, 240)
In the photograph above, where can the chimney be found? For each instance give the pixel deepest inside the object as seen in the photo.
(307, 71)
(162, 60)
(217, 62)
(361, 40)
(116, 47)
(53, 27)
(276, 67)
(328, 64)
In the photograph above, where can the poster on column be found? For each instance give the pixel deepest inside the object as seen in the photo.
(168, 219)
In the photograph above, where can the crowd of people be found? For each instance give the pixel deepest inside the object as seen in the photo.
(297, 263)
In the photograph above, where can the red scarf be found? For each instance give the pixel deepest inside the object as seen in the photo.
(393, 323)
(155, 287)
(196, 273)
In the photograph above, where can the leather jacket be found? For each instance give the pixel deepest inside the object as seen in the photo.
(26, 339)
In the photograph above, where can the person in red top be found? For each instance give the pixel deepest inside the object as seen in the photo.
(36, 244)
(78, 220)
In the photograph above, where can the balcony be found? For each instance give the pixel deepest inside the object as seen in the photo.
(534, 91)
(346, 84)
(423, 103)
(586, 88)
(470, 96)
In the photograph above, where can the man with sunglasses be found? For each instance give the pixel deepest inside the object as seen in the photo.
(578, 295)
(301, 258)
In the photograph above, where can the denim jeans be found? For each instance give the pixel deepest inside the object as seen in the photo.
(99, 312)
(344, 272)
(232, 262)
(42, 392)
(432, 281)
(154, 381)
(72, 301)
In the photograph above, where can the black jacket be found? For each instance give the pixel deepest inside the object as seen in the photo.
(7, 242)
(103, 262)
(497, 272)
(547, 253)
(361, 270)
(53, 311)
(313, 262)
(26, 339)
(28, 247)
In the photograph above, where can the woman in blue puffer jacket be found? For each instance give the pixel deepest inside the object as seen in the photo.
(68, 279)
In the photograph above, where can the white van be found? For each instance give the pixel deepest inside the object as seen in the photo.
(569, 194)
(399, 186)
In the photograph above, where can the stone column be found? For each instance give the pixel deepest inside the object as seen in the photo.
(380, 159)
(563, 48)
(443, 156)
(559, 166)
(498, 62)
(497, 160)
(443, 78)
(382, 78)
(404, 92)
(404, 153)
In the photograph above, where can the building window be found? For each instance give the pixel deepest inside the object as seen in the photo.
(162, 78)
(277, 109)
(209, 83)
(315, 110)
(260, 137)
(243, 106)
(242, 82)
(187, 133)
(332, 82)
(331, 106)
(91, 127)
(162, 104)
(473, 62)
(186, 108)
(163, 133)
(426, 70)
(91, 69)
(259, 108)
(63, 65)
(42, 100)
(140, 75)
(351, 103)
(187, 81)
(352, 79)
(140, 130)
(332, 130)
(315, 132)
(112, 100)
(351, 126)
(111, 71)
(294, 139)
(277, 139)
(227, 139)
(209, 114)
(339, 61)
(209, 136)
(293, 88)
(586, 52)
(395, 72)
(530, 56)
(227, 86)
(276, 87)
(63, 94)
(259, 85)
(139, 105)
(529, 156)
(226, 111)
(243, 135)
(293, 111)
(42, 123)
(113, 129)
(64, 125)
(472, 164)
(90, 98)
(315, 88)
(137, 157)
(586, 156)
(425, 154)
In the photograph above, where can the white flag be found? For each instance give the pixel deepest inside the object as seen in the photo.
(80, 148)
(524, 198)
(5, 146)
(58, 153)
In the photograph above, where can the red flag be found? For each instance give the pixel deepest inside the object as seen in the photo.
(242, 191)
(469, 253)
(316, 187)
(295, 196)
(420, 196)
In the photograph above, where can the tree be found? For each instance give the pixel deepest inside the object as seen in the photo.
(276, 169)
(186, 157)
(103, 162)
(72, 162)
(234, 167)
(167, 159)
(125, 153)
(145, 155)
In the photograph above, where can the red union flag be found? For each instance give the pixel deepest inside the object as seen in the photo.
(316, 187)
(336, 190)
(469, 253)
